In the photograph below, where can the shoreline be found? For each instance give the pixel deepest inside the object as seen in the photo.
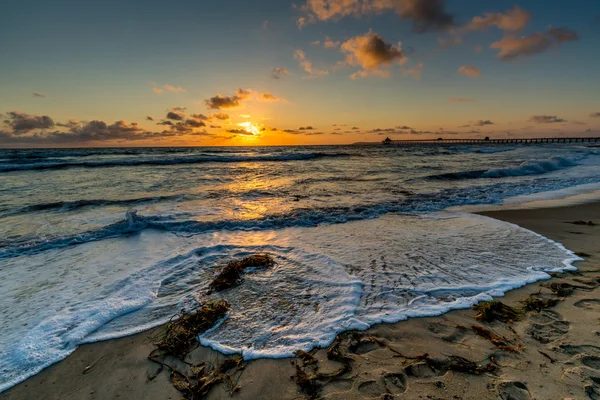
(119, 367)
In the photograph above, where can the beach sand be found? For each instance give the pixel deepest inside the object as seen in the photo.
(554, 354)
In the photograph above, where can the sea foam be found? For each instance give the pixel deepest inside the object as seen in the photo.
(327, 279)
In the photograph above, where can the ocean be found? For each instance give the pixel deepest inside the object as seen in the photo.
(104, 243)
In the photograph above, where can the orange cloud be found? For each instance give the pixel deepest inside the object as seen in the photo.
(426, 15)
(168, 88)
(470, 71)
(307, 65)
(371, 52)
(415, 71)
(269, 97)
(513, 20)
(511, 47)
(228, 102)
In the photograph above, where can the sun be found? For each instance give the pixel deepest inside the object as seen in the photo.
(250, 127)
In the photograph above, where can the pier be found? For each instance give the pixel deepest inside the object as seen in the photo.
(388, 141)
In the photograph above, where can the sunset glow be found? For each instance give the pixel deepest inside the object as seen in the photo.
(310, 72)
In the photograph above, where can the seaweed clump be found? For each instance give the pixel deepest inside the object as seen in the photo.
(497, 340)
(496, 311)
(204, 378)
(457, 364)
(180, 334)
(560, 289)
(533, 303)
(308, 377)
(231, 274)
(582, 222)
(179, 338)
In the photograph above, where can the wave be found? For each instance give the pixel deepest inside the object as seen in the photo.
(168, 161)
(524, 169)
(64, 206)
(299, 217)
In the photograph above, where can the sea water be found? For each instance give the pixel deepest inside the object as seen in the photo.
(103, 243)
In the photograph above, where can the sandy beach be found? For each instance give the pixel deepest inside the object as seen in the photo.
(547, 354)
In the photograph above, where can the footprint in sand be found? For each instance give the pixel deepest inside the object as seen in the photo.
(452, 334)
(548, 326)
(574, 350)
(588, 304)
(593, 389)
(513, 391)
(387, 384)
(591, 361)
(395, 383)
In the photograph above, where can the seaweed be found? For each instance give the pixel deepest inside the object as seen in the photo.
(533, 303)
(582, 222)
(204, 378)
(179, 336)
(497, 340)
(309, 379)
(562, 289)
(582, 254)
(457, 364)
(231, 274)
(496, 310)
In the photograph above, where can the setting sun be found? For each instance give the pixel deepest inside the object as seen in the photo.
(254, 129)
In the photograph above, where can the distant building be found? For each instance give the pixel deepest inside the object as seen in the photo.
(387, 141)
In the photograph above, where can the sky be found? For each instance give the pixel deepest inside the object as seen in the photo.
(279, 72)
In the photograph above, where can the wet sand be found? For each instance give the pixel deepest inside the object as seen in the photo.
(554, 353)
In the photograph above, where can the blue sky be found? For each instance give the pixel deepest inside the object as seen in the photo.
(103, 61)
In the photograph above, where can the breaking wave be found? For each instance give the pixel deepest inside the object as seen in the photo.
(164, 161)
(524, 169)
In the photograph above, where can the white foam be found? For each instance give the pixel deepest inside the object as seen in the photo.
(327, 279)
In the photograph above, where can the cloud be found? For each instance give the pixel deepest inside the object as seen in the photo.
(149, 118)
(513, 20)
(330, 44)
(21, 122)
(470, 71)
(239, 132)
(175, 116)
(546, 119)
(414, 132)
(307, 65)
(174, 89)
(78, 133)
(595, 115)
(460, 100)
(483, 122)
(306, 128)
(426, 15)
(511, 47)
(35, 94)
(194, 123)
(415, 71)
(168, 88)
(235, 101)
(446, 43)
(403, 127)
(270, 97)
(371, 53)
(279, 72)
(220, 116)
